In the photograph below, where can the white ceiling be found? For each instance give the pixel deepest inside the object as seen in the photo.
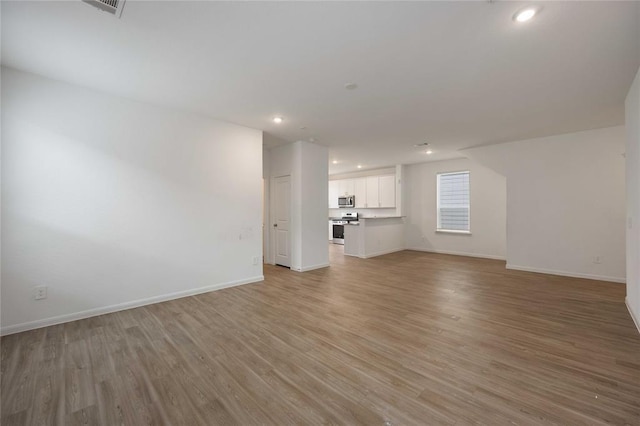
(454, 74)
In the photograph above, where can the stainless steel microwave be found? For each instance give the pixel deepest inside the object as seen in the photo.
(348, 201)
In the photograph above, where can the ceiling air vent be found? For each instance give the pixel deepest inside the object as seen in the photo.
(114, 7)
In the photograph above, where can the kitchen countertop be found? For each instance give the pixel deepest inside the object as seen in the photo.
(368, 217)
(379, 217)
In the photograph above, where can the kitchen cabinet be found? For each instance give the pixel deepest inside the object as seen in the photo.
(371, 192)
(373, 186)
(387, 191)
(352, 240)
(360, 192)
(346, 187)
(334, 193)
(381, 192)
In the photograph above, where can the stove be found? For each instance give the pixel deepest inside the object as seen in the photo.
(338, 226)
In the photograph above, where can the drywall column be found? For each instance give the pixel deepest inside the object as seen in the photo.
(314, 186)
(632, 123)
(307, 164)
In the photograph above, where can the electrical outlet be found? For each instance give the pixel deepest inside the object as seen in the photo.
(40, 292)
(256, 260)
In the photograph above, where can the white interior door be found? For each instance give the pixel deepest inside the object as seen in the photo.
(281, 220)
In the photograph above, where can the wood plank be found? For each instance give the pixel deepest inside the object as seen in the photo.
(406, 338)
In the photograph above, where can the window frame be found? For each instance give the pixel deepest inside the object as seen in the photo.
(452, 231)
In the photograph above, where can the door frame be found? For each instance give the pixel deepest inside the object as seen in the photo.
(266, 219)
(272, 206)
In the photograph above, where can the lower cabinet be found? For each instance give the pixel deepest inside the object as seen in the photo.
(352, 240)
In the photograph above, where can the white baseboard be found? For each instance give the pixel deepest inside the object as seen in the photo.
(567, 274)
(633, 316)
(18, 328)
(458, 253)
(380, 253)
(312, 267)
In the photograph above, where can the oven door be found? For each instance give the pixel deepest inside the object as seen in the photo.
(338, 233)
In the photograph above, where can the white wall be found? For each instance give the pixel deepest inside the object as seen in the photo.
(307, 164)
(1, 114)
(565, 202)
(632, 123)
(488, 210)
(112, 203)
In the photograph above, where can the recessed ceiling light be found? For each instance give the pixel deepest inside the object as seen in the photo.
(350, 86)
(278, 120)
(429, 152)
(312, 139)
(359, 166)
(525, 14)
(335, 161)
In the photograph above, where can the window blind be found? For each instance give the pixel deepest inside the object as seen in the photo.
(453, 201)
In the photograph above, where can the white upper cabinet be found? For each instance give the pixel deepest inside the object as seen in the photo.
(334, 193)
(371, 192)
(346, 187)
(387, 191)
(360, 192)
(372, 200)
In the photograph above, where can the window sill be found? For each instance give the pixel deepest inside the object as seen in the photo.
(452, 231)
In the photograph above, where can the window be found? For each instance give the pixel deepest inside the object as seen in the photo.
(453, 202)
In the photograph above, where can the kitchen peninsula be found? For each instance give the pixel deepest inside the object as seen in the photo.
(374, 236)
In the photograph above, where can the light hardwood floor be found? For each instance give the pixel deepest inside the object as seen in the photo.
(406, 338)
